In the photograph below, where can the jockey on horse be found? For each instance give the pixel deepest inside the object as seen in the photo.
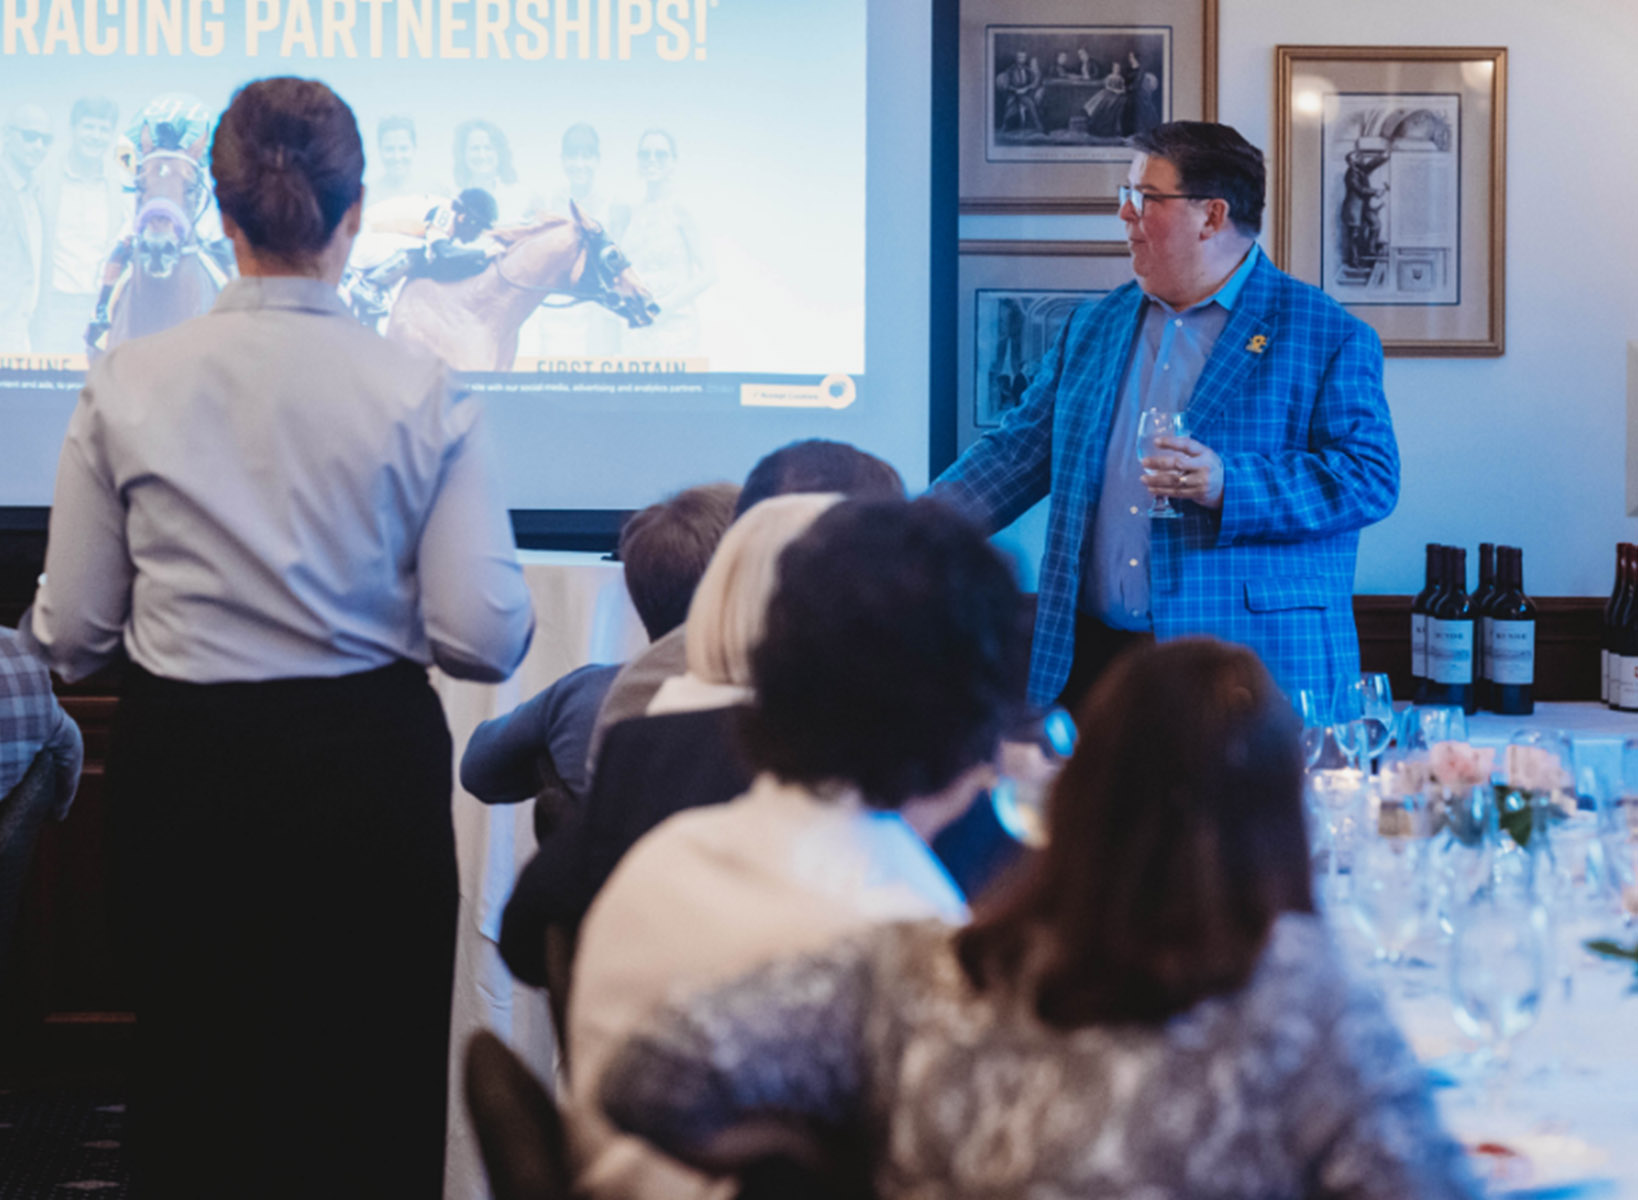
(176, 126)
(455, 245)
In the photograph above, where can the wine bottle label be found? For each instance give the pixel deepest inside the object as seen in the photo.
(1513, 651)
(1626, 681)
(1604, 674)
(1486, 648)
(1450, 651)
(1419, 645)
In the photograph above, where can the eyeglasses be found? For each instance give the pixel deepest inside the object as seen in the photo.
(1137, 199)
(34, 135)
(653, 155)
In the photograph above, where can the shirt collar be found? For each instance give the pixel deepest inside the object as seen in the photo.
(295, 292)
(1229, 294)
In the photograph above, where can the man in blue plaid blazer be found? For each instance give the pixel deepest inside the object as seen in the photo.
(1291, 450)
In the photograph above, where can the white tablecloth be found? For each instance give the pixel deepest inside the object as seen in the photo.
(1571, 1093)
(582, 615)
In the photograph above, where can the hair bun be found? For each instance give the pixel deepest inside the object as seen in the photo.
(282, 158)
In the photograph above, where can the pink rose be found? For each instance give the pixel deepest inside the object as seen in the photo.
(1535, 769)
(1457, 764)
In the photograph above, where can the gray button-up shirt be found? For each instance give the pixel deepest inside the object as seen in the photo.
(273, 491)
(1168, 355)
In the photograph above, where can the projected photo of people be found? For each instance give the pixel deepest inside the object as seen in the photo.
(24, 144)
(579, 329)
(667, 250)
(483, 159)
(1012, 330)
(396, 167)
(1075, 93)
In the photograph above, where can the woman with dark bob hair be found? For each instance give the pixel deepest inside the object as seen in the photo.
(281, 519)
(890, 659)
(1152, 1009)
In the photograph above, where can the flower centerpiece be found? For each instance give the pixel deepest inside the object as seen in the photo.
(1532, 785)
(1536, 786)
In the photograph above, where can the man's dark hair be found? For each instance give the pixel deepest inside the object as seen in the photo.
(665, 548)
(1212, 160)
(1175, 838)
(817, 465)
(893, 655)
(99, 107)
(387, 124)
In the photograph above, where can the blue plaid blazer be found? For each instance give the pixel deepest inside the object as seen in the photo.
(1309, 459)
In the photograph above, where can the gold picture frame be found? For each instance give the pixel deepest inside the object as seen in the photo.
(1050, 89)
(1390, 171)
(1011, 300)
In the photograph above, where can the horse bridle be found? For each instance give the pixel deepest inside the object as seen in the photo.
(605, 261)
(169, 207)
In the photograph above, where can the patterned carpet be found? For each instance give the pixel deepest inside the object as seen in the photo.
(60, 1143)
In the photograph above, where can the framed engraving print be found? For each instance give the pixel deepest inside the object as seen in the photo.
(1051, 89)
(1389, 189)
(1013, 298)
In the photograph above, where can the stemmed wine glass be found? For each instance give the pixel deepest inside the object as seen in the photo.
(1365, 706)
(1157, 423)
(1391, 884)
(1498, 969)
(1425, 726)
(1315, 718)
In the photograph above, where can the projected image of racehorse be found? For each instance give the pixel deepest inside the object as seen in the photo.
(170, 275)
(555, 261)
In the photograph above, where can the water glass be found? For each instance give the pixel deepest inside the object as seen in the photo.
(1157, 423)
(1392, 868)
(1426, 725)
(1498, 968)
(1365, 705)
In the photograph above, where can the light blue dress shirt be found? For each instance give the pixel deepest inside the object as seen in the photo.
(272, 491)
(1167, 357)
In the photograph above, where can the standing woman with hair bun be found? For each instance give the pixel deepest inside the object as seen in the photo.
(282, 519)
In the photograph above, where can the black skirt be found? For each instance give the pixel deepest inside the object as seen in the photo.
(286, 891)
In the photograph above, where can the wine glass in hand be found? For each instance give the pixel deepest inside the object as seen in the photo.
(1158, 423)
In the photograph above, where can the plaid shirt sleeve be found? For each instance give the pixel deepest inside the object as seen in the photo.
(1345, 479)
(31, 721)
(1003, 474)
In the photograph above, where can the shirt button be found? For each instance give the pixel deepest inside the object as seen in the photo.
(1134, 510)
(1131, 562)
(1178, 322)
(1166, 366)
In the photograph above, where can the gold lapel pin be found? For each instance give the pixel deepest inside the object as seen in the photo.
(1257, 344)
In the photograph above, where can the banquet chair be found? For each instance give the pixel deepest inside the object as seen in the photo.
(22, 811)
(519, 1128)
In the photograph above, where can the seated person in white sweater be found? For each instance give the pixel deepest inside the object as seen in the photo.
(891, 658)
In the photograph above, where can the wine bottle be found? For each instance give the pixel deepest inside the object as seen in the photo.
(1620, 615)
(1450, 638)
(1608, 623)
(1612, 612)
(1419, 621)
(1482, 596)
(1624, 651)
(1513, 640)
